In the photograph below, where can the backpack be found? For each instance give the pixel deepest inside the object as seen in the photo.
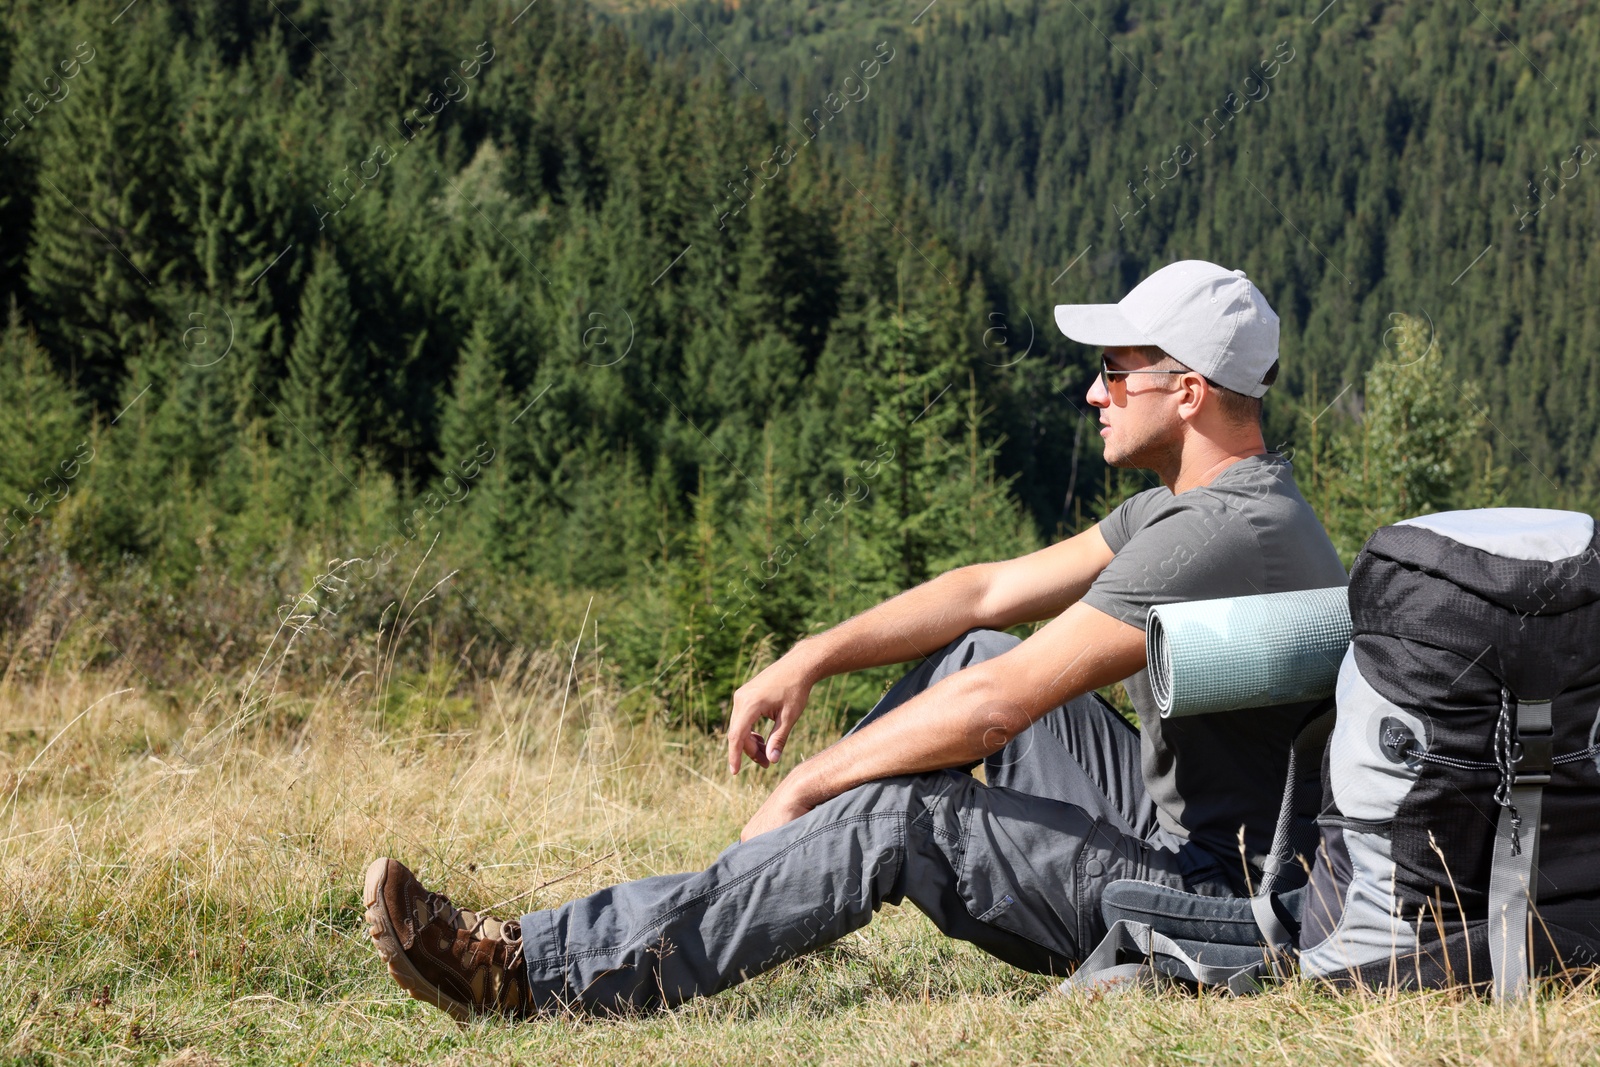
(1459, 784)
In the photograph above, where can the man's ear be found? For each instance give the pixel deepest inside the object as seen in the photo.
(1194, 390)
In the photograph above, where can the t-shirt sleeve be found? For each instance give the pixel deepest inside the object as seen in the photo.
(1125, 519)
(1181, 552)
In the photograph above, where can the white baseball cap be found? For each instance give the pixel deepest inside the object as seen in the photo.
(1210, 319)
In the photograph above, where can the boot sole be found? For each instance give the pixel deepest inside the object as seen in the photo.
(381, 927)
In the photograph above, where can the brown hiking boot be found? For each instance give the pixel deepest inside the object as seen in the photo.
(466, 963)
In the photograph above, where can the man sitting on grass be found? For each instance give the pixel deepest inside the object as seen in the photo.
(1073, 797)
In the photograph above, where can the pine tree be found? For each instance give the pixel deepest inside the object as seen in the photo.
(317, 411)
(905, 457)
(995, 526)
(1416, 448)
(320, 388)
(474, 414)
(702, 644)
(103, 232)
(233, 209)
(43, 447)
(1420, 424)
(474, 475)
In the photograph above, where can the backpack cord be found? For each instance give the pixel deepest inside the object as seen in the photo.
(1409, 748)
(1415, 751)
(1505, 763)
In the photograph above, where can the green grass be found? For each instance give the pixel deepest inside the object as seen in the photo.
(180, 890)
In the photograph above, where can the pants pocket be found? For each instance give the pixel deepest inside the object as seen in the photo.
(1023, 867)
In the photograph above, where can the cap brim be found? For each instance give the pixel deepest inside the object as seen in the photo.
(1098, 324)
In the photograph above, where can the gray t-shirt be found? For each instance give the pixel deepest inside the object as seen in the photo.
(1249, 531)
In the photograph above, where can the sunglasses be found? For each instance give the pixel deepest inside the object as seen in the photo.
(1110, 375)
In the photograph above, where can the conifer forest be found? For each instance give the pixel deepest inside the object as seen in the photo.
(694, 327)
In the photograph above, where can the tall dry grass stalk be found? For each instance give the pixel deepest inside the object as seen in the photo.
(182, 880)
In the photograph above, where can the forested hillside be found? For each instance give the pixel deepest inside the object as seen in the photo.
(331, 322)
(1358, 158)
(340, 279)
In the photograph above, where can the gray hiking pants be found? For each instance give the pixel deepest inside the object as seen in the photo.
(1016, 867)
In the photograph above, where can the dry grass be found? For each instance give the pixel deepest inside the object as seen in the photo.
(181, 884)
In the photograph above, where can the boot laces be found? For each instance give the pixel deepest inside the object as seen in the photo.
(511, 935)
(441, 907)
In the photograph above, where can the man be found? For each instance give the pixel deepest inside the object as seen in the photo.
(1074, 797)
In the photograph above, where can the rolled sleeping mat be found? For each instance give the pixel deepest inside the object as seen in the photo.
(1246, 651)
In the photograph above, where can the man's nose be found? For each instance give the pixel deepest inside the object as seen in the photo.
(1098, 397)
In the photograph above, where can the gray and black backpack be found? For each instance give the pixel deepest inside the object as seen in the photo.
(1454, 837)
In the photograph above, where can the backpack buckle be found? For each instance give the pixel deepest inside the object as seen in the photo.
(1531, 758)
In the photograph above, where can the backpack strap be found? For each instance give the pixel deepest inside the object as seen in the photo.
(1288, 841)
(1273, 929)
(1159, 934)
(1523, 754)
(1136, 954)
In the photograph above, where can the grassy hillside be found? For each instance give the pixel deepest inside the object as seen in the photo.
(183, 887)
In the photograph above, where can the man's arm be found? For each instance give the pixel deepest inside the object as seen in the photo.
(969, 714)
(916, 623)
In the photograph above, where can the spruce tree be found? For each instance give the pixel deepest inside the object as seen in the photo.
(1420, 424)
(323, 372)
(234, 208)
(317, 410)
(473, 473)
(43, 447)
(1417, 447)
(906, 457)
(474, 412)
(103, 232)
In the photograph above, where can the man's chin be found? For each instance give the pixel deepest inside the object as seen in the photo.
(1140, 460)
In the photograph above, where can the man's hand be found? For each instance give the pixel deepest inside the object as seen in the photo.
(1031, 588)
(778, 693)
(786, 804)
(970, 714)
